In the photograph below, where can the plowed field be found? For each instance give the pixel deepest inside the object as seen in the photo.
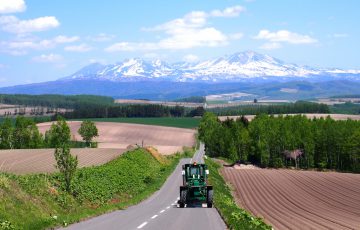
(167, 140)
(291, 199)
(21, 161)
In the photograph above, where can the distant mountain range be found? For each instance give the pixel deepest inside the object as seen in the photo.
(242, 66)
(259, 75)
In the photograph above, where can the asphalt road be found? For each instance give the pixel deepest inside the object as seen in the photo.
(160, 211)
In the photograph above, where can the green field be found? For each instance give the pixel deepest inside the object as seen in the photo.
(179, 122)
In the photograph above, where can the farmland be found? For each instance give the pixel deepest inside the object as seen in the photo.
(22, 161)
(167, 140)
(179, 122)
(292, 199)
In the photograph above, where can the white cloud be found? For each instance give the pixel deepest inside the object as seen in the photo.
(187, 32)
(64, 39)
(271, 46)
(22, 46)
(48, 58)
(233, 11)
(285, 36)
(78, 48)
(236, 36)
(12, 6)
(191, 58)
(102, 37)
(340, 35)
(12, 24)
(96, 60)
(2, 80)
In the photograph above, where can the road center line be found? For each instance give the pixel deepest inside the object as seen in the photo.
(162, 211)
(167, 207)
(142, 225)
(154, 216)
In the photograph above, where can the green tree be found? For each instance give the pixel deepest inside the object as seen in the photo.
(88, 131)
(58, 135)
(67, 164)
(6, 134)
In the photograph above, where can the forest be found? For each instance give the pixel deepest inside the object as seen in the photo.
(284, 141)
(297, 107)
(54, 100)
(154, 110)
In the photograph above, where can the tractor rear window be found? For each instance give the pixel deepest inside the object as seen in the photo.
(194, 171)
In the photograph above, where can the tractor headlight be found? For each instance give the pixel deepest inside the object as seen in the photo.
(183, 172)
(207, 171)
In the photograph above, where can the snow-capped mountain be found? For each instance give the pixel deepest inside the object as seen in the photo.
(239, 66)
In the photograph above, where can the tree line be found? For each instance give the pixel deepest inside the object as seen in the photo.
(54, 100)
(254, 109)
(284, 141)
(24, 134)
(152, 110)
(193, 99)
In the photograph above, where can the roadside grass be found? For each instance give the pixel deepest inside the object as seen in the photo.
(178, 122)
(233, 215)
(39, 201)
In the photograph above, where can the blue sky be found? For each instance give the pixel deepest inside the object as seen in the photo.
(45, 40)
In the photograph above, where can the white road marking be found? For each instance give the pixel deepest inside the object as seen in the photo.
(154, 216)
(162, 211)
(178, 198)
(175, 201)
(167, 207)
(142, 225)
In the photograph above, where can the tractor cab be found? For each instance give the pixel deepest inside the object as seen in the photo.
(195, 188)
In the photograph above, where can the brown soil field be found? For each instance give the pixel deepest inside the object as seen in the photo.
(293, 199)
(308, 115)
(23, 161)
(167, 140)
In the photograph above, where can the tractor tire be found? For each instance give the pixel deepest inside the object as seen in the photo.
(209, 200)
(183, 195)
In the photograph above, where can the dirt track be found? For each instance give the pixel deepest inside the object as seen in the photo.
(20, 161)
(167, 140)
(290, 199)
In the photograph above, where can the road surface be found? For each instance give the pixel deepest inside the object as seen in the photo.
(160, 211)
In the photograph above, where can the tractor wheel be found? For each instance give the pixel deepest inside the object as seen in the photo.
(183, 195)
(209, 201)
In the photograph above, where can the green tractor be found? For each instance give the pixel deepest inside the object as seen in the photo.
(195, 188)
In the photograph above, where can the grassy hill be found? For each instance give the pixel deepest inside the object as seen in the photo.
(39, 201)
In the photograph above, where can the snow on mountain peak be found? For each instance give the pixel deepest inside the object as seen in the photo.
(234, 67)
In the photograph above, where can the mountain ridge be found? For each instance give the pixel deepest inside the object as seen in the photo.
(239, 66)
